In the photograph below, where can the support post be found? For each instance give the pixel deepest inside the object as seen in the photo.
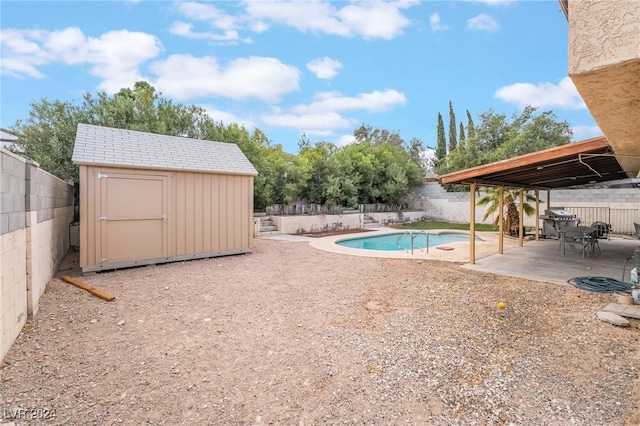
(472, 224)
(537, 214)
(500, 220)
(521, 219)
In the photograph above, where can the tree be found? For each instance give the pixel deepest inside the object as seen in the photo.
(453, 138)
(510, 216)
(441, 147)
(417, 153)
(497, 138)
(471, 128)
(47, 136)
(377, 136)
(311, 168)
(461, 141)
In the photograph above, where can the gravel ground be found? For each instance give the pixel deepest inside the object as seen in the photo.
(293, 335)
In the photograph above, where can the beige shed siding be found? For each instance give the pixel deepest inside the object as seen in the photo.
(212, 213)
(208, 214)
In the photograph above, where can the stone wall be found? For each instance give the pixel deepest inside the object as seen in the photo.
(35, 214)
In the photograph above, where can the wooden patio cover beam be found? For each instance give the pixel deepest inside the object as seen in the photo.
(556, 155)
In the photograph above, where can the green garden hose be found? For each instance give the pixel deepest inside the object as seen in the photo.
(600, 284)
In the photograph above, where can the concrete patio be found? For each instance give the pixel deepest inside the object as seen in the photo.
(542, 261)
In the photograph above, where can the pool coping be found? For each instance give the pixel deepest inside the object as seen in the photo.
(459, 252)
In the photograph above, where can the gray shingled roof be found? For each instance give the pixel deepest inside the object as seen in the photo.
(97, 145)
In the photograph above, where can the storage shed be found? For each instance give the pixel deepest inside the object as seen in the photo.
(147, 198)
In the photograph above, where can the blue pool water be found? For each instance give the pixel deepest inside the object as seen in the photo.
(389, 242)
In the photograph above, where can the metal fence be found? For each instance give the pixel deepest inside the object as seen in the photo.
(621, 220)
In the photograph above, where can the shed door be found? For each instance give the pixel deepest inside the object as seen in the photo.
(133, 217)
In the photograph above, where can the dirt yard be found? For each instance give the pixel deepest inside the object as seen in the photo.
(292, 335)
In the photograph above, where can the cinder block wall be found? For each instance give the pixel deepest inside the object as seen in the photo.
(13, 237)
(618, 206)
(49, 212)
(35, 214)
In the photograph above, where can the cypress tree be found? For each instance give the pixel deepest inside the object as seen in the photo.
(471, 128)
(441, 147)
(453, 137)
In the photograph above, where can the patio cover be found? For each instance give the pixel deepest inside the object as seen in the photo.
(575, 163)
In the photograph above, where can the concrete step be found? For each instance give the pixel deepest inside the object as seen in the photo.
(366, 220)
(371, 225)
(266, 225)
(269, 233)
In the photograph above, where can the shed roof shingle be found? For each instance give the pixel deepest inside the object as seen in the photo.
(97, 145)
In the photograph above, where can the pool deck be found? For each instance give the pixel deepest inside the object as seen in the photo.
(459, 252)
(536, 260)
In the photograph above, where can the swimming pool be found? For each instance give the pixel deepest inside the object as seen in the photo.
(389, 242)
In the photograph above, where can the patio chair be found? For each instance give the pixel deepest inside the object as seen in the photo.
(580, 239)
(603, 230)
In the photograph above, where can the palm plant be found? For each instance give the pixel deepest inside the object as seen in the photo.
(512, 220)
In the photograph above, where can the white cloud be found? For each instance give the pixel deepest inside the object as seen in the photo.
(483, 22)
(543, 95)
(436, 24)
(184, 29)
(208, 12)
(325, 68)
(375, 101)
(225, 26)
(374, 19)
(227, 117)
(323, 116)
(345, 140)
(367, 19)
(186, 76)
(321, 124)
(115, 56)
(22, 53)
(585, 132)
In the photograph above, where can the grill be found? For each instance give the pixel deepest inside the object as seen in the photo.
(555, 220)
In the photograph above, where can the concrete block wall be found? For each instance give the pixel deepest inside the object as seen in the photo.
(438, 204)
(35, 214)
(47, 243)
(12, 192)
(13, 287)
(315, 223)
(13, 278)
(618, 206)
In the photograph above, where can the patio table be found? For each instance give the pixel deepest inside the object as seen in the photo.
(586, 236)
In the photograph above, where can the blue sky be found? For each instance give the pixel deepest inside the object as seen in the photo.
(318, 68)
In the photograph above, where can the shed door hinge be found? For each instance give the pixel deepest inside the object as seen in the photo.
(102, 176)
